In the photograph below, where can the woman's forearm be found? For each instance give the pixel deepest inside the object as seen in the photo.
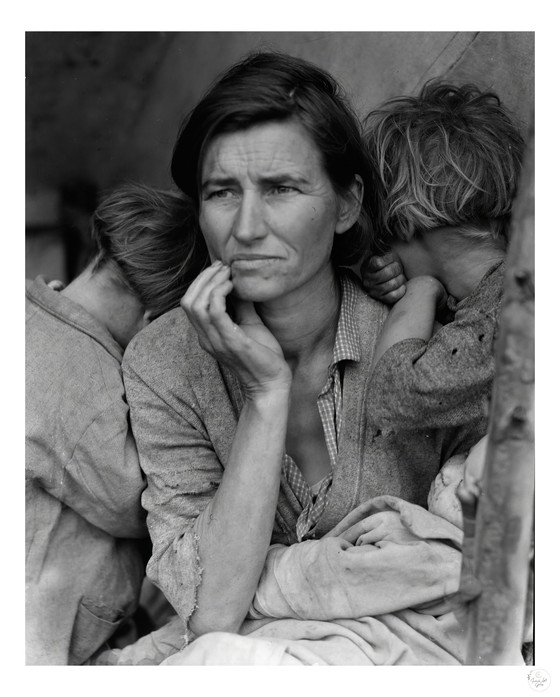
(236, 528)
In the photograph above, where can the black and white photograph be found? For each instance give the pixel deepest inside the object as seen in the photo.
(280, 350)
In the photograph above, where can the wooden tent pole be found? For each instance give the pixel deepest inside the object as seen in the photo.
(503, 531)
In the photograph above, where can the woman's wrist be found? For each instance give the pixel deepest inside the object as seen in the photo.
(273, 395)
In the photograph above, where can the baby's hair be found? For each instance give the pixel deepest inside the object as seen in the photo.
(449, 157)
(149, 237)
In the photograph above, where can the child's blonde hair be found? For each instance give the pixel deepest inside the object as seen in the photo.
(449, 157)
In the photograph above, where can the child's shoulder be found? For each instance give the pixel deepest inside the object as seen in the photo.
(487, 296)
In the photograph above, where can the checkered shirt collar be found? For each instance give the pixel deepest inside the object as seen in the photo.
(347, 338)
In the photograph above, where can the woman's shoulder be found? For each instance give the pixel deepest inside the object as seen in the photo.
(168, 340)
(166, 359)
(369, 312)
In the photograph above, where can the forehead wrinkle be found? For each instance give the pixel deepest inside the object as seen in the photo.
(262, 157)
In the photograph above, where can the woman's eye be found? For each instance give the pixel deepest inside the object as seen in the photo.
(283, 189)
(219, 193)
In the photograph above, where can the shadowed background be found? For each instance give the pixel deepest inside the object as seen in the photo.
(104, 108)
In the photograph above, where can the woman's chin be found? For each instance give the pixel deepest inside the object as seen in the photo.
(255, 290)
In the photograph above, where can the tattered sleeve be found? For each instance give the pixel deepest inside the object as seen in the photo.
(182, 472)
(445, 382)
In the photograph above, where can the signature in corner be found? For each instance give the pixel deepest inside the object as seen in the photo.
(538, 679)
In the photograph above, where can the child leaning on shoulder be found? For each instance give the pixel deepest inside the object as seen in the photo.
(449, 161)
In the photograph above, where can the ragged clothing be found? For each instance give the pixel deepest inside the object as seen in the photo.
(447, 381)
(84, 521)
(380, 589)
(184, 412)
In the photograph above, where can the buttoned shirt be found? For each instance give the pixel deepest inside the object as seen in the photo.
(329, 403)
(185, 411)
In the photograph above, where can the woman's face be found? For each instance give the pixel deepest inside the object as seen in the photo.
(269, 210)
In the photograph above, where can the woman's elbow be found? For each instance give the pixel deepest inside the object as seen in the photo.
(128, 522)
(201, 623)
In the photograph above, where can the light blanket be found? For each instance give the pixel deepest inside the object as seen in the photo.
(379, 589)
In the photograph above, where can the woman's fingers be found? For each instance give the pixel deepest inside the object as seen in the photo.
(369, 538)
(362, 527)
(215, 301)
(385, 525)
(197, 298)
(213, 281)
(245, 345)
(207, 310)
(200, 281)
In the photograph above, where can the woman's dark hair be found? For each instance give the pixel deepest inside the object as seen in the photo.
(270, 86)
(449, 157)
(149, 238)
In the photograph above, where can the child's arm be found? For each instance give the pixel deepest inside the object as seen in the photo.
(413, 316)
(444, 381)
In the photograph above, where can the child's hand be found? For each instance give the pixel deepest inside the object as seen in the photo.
(384, 278)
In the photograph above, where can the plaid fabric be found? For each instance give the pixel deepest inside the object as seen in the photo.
(329, 403)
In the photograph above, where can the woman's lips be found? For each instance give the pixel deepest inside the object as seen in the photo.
(252, 262)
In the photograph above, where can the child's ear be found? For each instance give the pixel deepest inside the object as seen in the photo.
(147, 317)
(350, 205)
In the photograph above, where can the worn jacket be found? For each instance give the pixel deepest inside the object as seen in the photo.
(446, 381)
(184, 411)
(84, 519)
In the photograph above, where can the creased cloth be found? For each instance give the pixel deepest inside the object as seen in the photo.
(184, 411)
(337, 577)
(85, 530)
(337, 601)
(342, 601)
(150, 649)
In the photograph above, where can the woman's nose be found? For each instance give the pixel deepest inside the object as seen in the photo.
(249, 221)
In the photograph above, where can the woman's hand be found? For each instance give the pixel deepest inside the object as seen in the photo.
(246, 346)
(235, 528)
(383, 278)
(379, 529)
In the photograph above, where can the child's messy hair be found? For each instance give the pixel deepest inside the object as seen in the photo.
(150, 238)
(449, 157)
